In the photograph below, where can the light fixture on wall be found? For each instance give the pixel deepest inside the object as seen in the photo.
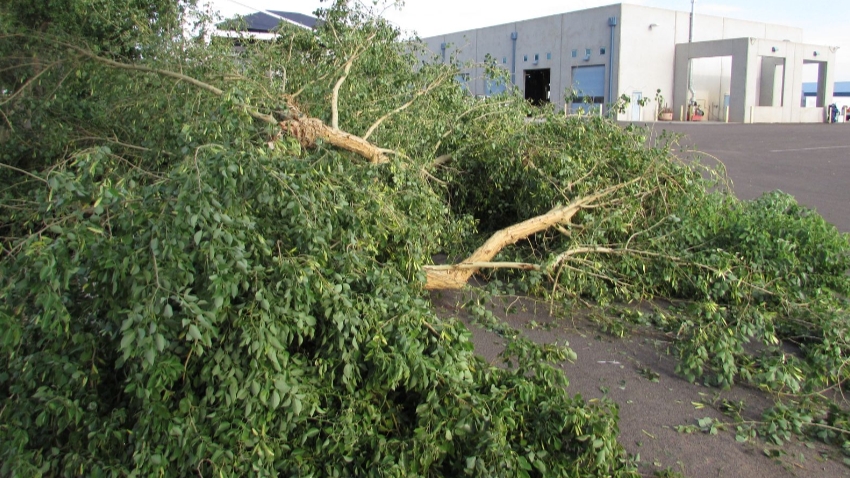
(815, 54)
(653, 25)
(773, 49)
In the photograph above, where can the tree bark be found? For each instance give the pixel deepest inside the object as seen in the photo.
(310, 130)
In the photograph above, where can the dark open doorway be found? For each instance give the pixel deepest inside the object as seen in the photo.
(537, 86)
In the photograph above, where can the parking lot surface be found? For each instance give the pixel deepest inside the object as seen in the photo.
(809, 161)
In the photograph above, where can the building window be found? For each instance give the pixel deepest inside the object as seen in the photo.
(602, 51)
(587, 52)
(575, 53)
(536, 57)
(504, 60)
(548, 56)
(524, 57)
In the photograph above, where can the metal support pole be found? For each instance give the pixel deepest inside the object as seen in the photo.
(691, 61)
(612, 22)
(514, 37)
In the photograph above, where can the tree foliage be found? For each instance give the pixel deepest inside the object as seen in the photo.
(193, 282)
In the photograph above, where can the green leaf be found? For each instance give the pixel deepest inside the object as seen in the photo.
(160, 342)
(127, 340)
(523, 463)
(194, 332)
(281, 385)
(150, 355)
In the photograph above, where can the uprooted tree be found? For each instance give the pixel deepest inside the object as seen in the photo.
(218, 264)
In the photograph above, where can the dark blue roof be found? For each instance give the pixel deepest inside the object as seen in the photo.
(842, 88)
(262, 22)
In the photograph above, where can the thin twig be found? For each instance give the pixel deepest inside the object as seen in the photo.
(155, 269)
(7, 166)
(404, 106)
(113, 140)
(28, 83)
(431, 328)
(608, 250)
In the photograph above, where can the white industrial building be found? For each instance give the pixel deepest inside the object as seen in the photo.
(741, 71)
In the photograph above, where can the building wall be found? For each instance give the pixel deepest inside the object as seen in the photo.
(646, 54)
(643, 53)
(588, 30)
(551, 38)
(649, 53)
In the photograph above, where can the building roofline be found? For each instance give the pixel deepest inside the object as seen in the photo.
(267, 21)
(621, 7)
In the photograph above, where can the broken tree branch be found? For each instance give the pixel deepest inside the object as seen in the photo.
(440, 277)
(307, 130)
(170, 74)
(486, 265)
(129, 66)
(345, 70)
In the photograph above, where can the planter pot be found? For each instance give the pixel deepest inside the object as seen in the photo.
(666, 116)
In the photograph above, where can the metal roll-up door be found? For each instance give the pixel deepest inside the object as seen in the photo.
(588, 86)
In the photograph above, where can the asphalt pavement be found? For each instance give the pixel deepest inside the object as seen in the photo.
(809, 161)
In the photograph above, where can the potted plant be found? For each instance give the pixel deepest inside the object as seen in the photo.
(665, 113)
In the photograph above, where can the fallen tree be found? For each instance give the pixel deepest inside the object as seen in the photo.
(216, 266)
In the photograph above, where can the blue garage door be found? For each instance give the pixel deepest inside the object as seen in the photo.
(588, 86)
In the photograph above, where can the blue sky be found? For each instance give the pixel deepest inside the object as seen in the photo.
(824, 22)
